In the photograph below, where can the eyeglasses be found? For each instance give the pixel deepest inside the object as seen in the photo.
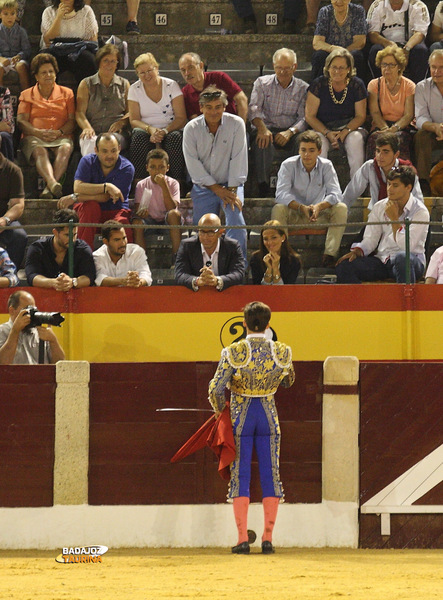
(209, 232)
(283, 69)
(388, 65)
(147, 72)
(210, 95)
(340, 69)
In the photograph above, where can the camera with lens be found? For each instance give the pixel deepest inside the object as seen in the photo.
(44, 318)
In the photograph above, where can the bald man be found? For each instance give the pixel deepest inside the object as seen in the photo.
(209, 259)
(19, 344)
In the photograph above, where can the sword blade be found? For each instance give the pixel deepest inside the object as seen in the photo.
(183, 410)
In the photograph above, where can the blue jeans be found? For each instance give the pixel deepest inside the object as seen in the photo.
(204, 201)
(370, 268)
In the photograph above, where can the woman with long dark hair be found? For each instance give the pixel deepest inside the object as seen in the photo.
(276, 263)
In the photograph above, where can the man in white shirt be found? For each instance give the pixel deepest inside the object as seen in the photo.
(401, 23)
(119, 264)
(388, 239)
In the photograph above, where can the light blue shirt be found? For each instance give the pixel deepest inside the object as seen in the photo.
(295, 183)
(365, 176)
(221, 158)
(428, 103)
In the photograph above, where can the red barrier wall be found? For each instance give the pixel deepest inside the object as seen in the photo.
(27, 418)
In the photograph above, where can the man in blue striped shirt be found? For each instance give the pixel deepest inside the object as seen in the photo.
(216, 155)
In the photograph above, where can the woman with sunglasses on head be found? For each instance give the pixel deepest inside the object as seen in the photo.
(391, 101)
(157, 115)
(336, 108)
(276, 263)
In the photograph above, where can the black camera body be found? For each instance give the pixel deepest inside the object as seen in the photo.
(44, 318)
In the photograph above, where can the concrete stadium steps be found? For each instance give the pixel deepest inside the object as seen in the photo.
(181, 17)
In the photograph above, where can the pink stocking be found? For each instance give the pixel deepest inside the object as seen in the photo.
(270, 507)
(241, 505)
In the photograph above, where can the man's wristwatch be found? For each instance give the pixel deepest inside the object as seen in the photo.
(219, 285)
(74, 282)
(293, 130)
(165, 130)
(194, 285)
(8, 221)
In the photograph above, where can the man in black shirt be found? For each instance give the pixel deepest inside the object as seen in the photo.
(47, 258)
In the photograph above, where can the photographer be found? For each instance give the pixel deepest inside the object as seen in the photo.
(19, 345)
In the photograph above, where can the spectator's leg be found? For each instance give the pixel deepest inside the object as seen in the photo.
(312, 8)
(2, 74)
(365, 268)
(23, 74)
(84, 66)
(435, 46)
(204, 201)
(318, 62)
(44, 166)
(140, 146)
(338, 213)
(361, 65)
(418, 62)
(370, 145)
(7, 145)
(174, 218)
(263, 158)
(287, 216)
(372, 54)
(355, 149)
(398, 265)
(173, 144)
(132, 8)
(87, 145)
(123, 216)
(14, 242)
(325, 146)
(245, 11)
(139, 233)
(88, 212)
(424, 143)
(62, 156)
(235, 217)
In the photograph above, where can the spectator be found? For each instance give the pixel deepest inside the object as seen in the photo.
(102, 102)
(157, 114)
(15, 49)
(8, 270)
(381, 254)
(216, 155)
(46, 116)
(102, 184)
(20, 344)
(374, 172)
(47, 261)
(209, 259)
(402, 23)
(340, 25)
(391, 101)
(434, 273)
(118, 263)
(7, 124)
(193, 71)
(336, 108)
(277, 111)
(308, 192)
(437, 29)
(275, 263)
(12, 205)
(157, 199)
(428, 113)
(71, 19)
(132, 27)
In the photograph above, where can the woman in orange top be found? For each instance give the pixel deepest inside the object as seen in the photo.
(46, 116)
(391, 101)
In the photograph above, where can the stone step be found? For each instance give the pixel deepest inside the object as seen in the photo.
(184, 17)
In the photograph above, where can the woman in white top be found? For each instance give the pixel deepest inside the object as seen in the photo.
(71, 19)
(157, 114)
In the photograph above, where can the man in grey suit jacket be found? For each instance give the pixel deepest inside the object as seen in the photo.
(209, 259)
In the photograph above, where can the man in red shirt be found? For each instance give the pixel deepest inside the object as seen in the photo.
(193, 72)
